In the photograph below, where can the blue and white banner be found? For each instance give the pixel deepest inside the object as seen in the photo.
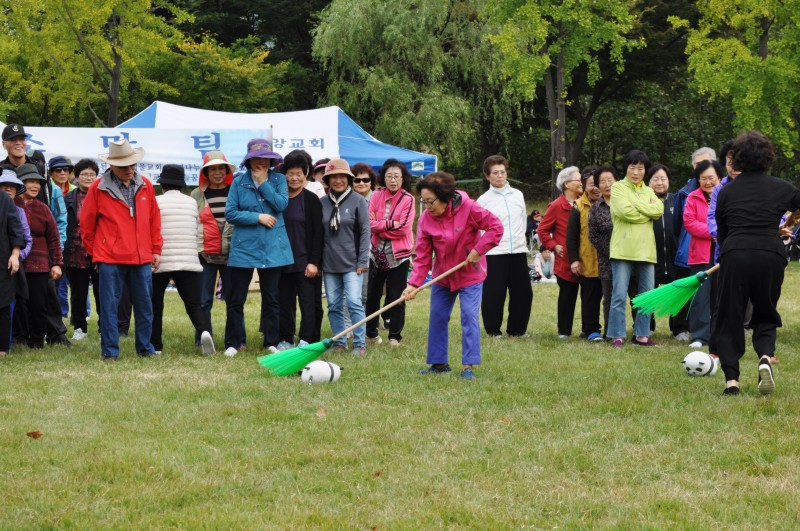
(161, 146)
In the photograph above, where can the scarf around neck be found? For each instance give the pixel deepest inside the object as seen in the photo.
(334, 222)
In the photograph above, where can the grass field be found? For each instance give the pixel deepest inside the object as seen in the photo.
(550, 434)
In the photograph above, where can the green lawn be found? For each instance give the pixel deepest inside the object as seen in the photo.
(550, 434)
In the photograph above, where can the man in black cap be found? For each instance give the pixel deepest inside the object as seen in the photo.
(15, 142)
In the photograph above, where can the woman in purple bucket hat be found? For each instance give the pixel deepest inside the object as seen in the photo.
(255, 206)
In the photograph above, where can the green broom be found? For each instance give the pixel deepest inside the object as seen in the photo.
(294, 359)
(670, 298)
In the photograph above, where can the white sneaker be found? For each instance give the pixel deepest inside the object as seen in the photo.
(284, 345)
(374, 340)
(207, 342)
(79, 335)
(272, 350)
(394, 343)
(302, 343)
(696, 344)
(683, 336)
(231, 352)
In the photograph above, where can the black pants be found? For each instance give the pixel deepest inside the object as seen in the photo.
(758, 276)
(319, 313)
(38, 285)
(269, 283)
(296, 289)
(591, 295)
(5, 328)
(395, 280)
(188, 284)
(55, 321)
(79, 290)
(607, 287)
(679, 323)
(567, 297)
(506, 273)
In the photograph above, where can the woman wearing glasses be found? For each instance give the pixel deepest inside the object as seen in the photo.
(451, 229)
(552, 233)
(701, 251)
(391, 220)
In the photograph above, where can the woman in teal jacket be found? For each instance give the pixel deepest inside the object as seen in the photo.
(255, 206)
(634, 206)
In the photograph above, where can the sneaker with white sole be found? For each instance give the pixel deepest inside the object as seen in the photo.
(766, 380)
(272, 350)
(374, 340)
(79, 335)
(394, 342)
(207, 343)
(302, 343)
(284, 345)
(231, 352)
(696, 344)
(683, 336)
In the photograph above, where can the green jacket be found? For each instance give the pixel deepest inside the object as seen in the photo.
(633, 209)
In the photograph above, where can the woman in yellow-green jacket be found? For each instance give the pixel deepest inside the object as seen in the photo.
(634, 206)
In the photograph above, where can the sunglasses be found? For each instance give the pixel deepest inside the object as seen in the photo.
(362, 180)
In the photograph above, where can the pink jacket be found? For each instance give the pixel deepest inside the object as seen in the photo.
(452, 236)
(401, 209)
(695, 219)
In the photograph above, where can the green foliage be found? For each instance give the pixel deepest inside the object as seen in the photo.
(421, 75)
(748, 53)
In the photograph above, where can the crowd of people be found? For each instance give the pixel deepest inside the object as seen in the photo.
(312, 228)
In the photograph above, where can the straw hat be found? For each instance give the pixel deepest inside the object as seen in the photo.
(121, 153)
(337, 167)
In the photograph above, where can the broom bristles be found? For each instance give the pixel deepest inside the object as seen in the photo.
(670, 298)
(294, 359)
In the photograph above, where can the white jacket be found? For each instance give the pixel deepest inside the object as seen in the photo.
(180, 228)
(507, 204)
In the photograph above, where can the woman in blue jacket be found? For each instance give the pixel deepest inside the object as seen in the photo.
(255, 206)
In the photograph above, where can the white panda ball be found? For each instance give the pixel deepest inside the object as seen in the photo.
(699, 363)
(320, 371)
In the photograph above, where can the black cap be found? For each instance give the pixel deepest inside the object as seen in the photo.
(12, 131)
(172, 174)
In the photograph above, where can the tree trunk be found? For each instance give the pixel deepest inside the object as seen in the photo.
(113, 93)
(556, 108)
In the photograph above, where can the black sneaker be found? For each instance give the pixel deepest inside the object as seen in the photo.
(731, 391)
(766, 380)
(433, 369)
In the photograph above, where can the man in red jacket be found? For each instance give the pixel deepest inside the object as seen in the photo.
(121, 230)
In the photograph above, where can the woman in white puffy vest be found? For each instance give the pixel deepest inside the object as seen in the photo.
(179, 262)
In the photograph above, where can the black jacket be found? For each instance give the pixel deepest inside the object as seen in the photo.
(666, 243)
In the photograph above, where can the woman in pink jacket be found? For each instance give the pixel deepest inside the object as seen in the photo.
(451, 228)
(701, 251)
(391, 220)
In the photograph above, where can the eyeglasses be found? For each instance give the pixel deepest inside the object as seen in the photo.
(429, 203)
(87, 174)
(362, 180)
(707, 179)
(393, 177)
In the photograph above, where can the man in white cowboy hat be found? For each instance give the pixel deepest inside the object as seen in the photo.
(121, 230)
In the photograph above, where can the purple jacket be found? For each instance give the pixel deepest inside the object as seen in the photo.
(26, 235)
(452, 236)
(712, 214)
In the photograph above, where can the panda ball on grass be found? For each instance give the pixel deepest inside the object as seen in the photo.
(699, 363)
(319, 371)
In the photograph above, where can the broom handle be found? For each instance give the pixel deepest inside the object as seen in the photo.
(398, 301)
(712, 270)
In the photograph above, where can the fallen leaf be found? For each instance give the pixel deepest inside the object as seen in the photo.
(34, 434)
(378, 473)
(322, 412)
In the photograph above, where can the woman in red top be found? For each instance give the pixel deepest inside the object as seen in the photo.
(552, 232)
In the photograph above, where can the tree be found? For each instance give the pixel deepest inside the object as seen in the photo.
(748, 52)
(91, 55)
(418, 74)
(547, 42)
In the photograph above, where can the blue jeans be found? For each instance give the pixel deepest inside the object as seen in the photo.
(442, 302)
(340, 286)
(139, 279)
(621, 272)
